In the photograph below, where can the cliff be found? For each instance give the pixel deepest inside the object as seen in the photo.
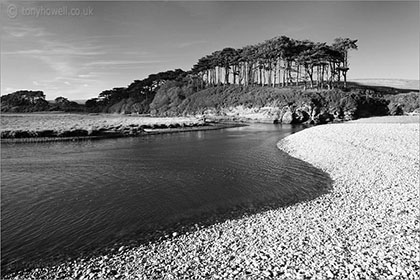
(237, 102)
(268, 104)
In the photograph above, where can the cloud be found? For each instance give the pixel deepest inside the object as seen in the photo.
(21, 31)
(65, 58)
(83, 76)
(48, 46)
(137, 53)
(23, 52)
(68, 67)
(61, 66)
(122, 62)
(91, 75)
(72, 79)
(192, 43)
(56, 50)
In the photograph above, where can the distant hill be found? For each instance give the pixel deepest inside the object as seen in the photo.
(79, 101)
(393, 83)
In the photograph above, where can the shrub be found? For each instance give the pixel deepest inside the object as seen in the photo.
(403, 103)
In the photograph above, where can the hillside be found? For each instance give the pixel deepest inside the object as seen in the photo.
(399, 84)
(268, 104)
(243, 103)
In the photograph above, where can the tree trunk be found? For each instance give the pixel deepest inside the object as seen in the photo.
(339, 74)
(275, 74)
(250, 75)
(310, 74)
(264, 75)
(284, 74)
(244, 73)
(345, 78)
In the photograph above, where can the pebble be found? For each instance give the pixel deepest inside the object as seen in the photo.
(346, 233)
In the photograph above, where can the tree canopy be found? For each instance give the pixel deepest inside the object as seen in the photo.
(25, 101)
(277, 62)
(280, 61)
(138, 90)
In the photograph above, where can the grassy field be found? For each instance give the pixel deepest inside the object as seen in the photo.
(75, 126)
(394, 83)
(37, 122)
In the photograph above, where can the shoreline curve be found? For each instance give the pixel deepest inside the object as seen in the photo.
(122, 134)
(371, 217)
(366, 226)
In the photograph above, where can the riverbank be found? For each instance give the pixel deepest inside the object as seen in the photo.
(371, 218)
(367, 226)
(25, 128)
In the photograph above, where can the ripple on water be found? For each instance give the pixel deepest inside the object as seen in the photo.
(66, 197)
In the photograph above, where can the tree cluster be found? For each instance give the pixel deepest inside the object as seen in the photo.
(63, 104)
(23, 97)
(280, 62)
(33, 101)
(139, 90)
(24, 101)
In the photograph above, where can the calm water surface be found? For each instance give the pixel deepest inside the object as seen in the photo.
(65, 197)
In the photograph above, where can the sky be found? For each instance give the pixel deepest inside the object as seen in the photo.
(78, 49)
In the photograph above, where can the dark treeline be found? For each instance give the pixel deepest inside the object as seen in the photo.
(277, 72)
(280, 61)
(142, 91)
(25, 101)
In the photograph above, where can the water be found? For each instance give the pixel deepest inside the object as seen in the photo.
(61, 198)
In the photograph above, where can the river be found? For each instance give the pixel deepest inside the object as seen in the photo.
(61, 198)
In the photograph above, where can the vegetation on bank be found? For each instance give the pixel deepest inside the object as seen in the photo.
(277, 63)
(403, 103)
(175, 98)
(53, 127)
(24, 101)
(27, 101)
(178, 100)
(302, 75)
(138, 95)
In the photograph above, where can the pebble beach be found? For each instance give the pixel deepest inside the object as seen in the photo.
(366, 227)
